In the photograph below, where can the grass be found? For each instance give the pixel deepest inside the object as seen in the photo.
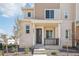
(0, 52)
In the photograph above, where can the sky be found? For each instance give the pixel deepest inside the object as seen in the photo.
(8, 15)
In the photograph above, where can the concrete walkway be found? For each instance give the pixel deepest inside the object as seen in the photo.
(39, 55)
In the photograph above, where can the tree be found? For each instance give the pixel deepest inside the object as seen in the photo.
(14, 37)
(4, 36)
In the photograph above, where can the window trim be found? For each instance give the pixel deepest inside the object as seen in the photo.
(45, 13)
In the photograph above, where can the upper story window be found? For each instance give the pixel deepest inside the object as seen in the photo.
(65, 15)
(27, 28)
(29, 14)
(49, 14)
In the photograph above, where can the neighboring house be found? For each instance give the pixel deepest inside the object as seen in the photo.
(11, 41)
(51, 25)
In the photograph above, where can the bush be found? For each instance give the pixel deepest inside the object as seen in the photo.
(64, 46)
(26, 50)
(13, 49)
(77, 47)
(54, 53)
(1, 46)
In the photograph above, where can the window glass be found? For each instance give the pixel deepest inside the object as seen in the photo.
(29, 14)
(65, 15)
(66, 33)
(49, 13)
(52, 13)
(48, 33)
(27, 29)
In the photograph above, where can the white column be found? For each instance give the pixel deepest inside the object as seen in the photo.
(59, 33)
(34, 41)
(43, 36)
(75, 34)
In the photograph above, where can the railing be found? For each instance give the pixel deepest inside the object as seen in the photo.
(51, 41)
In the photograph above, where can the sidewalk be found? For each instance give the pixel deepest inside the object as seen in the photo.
(40, 55)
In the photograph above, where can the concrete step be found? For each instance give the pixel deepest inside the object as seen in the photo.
(39, 55)
(39, 51)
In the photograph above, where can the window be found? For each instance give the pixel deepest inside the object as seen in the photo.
(49, 14)
(27, 29)
(65, 15)
(48, 33)
(29, 14)
(67, 33)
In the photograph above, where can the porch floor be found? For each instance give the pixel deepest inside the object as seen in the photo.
(39, 46)
(47, 47)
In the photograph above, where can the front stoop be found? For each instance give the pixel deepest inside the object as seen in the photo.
(40, 51)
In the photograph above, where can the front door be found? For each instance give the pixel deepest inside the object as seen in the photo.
(39, 36)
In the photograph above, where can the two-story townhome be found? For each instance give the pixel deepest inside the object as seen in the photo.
(77, 24)
(47, 25)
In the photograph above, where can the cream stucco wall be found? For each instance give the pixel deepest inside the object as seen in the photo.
(77, 11)
(69, 9)
(26, 40)
(66, 25)
(41, 7)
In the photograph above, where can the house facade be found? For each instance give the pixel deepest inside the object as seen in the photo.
(48, 25)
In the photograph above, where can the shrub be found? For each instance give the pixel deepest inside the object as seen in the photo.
(1, 46)
(53, 53)
(64, 46)
(13, 49)
(26, 50)
(77, 47)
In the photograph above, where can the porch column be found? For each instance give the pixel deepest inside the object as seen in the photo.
(42, 36)
(59, 33)
(34, 35)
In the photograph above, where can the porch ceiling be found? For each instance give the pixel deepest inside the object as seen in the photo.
(46, 21)
(45, 25)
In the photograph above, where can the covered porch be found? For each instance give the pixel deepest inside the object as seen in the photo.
(46, 33)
